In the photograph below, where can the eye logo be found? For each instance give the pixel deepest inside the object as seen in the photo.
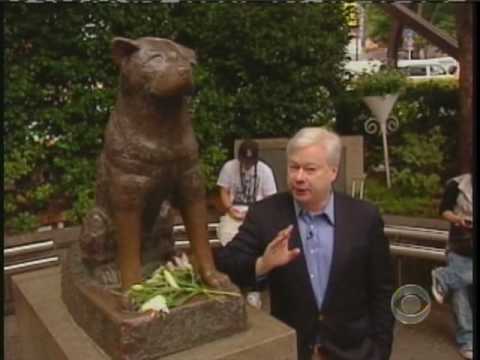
(410, 304)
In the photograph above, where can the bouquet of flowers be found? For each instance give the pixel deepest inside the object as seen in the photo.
(171, 285)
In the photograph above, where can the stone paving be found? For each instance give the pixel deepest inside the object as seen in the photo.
(431, 339)
(11, 340)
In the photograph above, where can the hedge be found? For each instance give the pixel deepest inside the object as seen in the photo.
(264, 70)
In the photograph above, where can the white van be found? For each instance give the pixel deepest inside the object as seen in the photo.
(424, 69)
(448, 63)
(360, 66)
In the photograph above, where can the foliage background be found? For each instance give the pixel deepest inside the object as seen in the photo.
(264, 71)
(421, 151)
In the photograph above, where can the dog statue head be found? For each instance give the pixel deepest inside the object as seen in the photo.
(157, 66)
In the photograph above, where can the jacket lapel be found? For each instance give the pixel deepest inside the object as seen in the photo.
(298, 267)
(341, 247)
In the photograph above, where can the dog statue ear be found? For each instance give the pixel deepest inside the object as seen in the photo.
(188, 53)
(123, 48)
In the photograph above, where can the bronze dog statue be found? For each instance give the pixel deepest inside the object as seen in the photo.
(150, 155)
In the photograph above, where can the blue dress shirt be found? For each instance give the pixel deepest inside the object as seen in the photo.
(316, 232)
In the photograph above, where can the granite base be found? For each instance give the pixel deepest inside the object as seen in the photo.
(48, 331)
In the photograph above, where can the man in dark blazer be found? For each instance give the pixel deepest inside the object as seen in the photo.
(323, 255)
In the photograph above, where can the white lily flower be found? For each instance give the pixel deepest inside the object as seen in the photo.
(152, 280)
(178, 262)
(157, 303)
(186, 262)
(158, 271)
(170, 266)
(182, 262)
(170, 279)
(157, 276)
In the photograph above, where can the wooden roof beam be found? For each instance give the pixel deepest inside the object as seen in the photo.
(422, 27)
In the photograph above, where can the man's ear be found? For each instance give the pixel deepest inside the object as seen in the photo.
(122, 48)
(334, 173)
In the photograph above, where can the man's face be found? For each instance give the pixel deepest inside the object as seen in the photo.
(310, 177)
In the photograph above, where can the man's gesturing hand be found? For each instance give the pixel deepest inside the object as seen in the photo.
(276, 253)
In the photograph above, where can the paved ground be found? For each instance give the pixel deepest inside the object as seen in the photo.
(431, 339)
(11, 346)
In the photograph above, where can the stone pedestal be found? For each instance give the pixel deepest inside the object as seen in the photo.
(124, 334)
(47, 330)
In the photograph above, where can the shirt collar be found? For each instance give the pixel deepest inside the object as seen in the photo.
(327, 211)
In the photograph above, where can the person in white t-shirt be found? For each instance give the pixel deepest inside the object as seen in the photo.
(243, 181)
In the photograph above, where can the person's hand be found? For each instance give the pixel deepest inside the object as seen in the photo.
(458, 220)
(277, 253)
(465, 222)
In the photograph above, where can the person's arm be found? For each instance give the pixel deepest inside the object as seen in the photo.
(237, 259)
(269, 186)
(380, 288)
(456, 220)
(225, 183)
(447, 205)
(449, 197)
(248, 257)
(226, 199)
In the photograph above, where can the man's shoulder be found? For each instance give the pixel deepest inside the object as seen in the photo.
(231, 162)
(229, 165)
(263, 166)
(227, 174)
(277, 199)
(347, 201)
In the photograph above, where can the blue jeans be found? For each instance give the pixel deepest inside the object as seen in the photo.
(457, 279)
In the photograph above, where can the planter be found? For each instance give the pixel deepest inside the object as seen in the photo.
(381, 106)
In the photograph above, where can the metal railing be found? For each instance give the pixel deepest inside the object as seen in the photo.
(417, 242)
(404, 240)
(37, 250)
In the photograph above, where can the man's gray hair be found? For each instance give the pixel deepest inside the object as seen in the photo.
(317, 136)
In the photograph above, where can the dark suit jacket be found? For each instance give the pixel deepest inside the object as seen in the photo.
(355, 321)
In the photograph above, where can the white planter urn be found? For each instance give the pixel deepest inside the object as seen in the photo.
(381, 106)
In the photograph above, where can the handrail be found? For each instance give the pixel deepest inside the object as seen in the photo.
(397, 248)
(422, 252)
(416, 233)
(392, 232)
(33, 251)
